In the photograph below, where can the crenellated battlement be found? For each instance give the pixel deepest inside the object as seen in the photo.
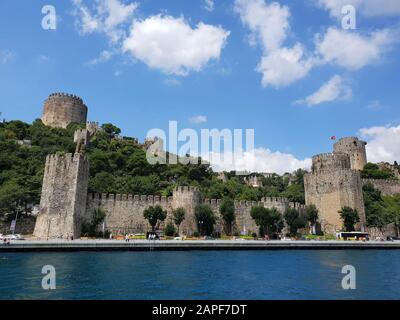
(275, 199)
(54, 161)
(185, 189)
(143, 199)
(58, 95)
(381, 181)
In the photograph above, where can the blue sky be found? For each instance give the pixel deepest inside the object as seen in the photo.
(286, 69)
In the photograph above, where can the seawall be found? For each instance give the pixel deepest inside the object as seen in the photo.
(176, 245)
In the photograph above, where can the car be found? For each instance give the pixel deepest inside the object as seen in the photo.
(14, 237)
(208, 238)
(152, 236)
(178, 238)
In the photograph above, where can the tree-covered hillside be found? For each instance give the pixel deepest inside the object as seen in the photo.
(117, 165)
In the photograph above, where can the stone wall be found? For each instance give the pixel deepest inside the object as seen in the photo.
(386, 231)
(63, 199)
(124, 213)
(387, 187)
(61, 109)
(25, 225)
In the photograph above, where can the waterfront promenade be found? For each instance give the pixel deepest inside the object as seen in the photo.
(146, 245)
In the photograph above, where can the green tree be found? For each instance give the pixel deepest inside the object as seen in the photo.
(349, 217)
(205, 219)
(294, 193)
(103, 182)
(372, 171)
(153, 215)
(89, 228)
(312, 217)
(294, 220)
(169, 230)
(375, 211)
(392, 205)
(227, 211)
(179, 216)
(269, 220)
(110, 129)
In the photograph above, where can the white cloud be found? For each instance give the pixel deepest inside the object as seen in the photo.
(284, 66)
(172, 45)
(209, 5)
(198, 119)
(172, 82)
(352, 50)
(105, 16)
(43, 58)
(6, 56)
(334, 89)
(259, 160)
(382, 143)
(162, 42)
(375, 105)
(104, 56)
(280, 65)
(269, 25)
(365, 7)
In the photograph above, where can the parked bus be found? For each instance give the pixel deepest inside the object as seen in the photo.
(354, 235)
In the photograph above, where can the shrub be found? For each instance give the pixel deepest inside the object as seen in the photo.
(169, 230)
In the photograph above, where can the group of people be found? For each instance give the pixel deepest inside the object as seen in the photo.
(6, 241)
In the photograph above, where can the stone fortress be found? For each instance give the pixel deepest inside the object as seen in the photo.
(334, 182)
(65, 203)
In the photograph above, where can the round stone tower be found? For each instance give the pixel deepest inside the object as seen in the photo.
(61, 109)
(355, 148)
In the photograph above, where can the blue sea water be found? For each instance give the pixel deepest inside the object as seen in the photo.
(289, 274)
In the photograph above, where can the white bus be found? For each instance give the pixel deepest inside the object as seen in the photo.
(353, 235)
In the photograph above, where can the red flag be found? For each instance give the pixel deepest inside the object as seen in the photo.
(333, 138)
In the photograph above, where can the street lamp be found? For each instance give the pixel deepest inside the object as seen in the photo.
(201, 227)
